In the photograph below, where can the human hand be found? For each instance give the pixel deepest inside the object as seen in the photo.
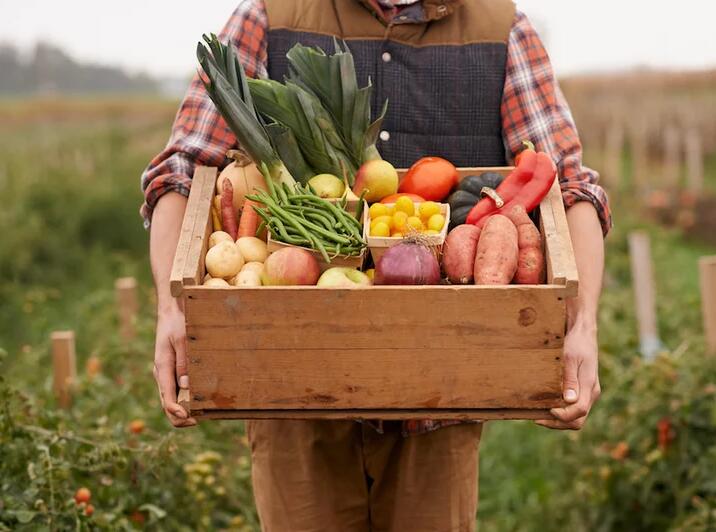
(581, 387)
(170, 364)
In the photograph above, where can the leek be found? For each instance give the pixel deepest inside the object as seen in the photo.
(302, 113)
(332, 78)
(227, 86)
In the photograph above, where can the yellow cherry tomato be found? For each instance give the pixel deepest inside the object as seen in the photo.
(380, 229)
(387, 220)
(415, 223)
(436, 222)
(428, 209)
(431, 232)
(370, 273)
(391, 210)
(397, 234)
(406, 205)
(400, 220)
(377, 210)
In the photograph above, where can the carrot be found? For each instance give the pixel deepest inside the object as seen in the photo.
(228, 214)
(249, 222)
(530, 263)
(497, 252)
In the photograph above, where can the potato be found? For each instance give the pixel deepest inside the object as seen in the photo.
(497, 252)
(216, 283)
(224, 260)
(252, 249)
(257, 267)
(218, 237)
(247, 278)
(459, 253)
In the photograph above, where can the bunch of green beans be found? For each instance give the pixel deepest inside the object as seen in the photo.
(300, 217)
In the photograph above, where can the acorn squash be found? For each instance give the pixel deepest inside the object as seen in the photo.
(468, 194)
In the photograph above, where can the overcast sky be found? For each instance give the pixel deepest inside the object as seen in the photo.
(159, 36)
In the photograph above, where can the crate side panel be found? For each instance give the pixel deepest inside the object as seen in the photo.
(427, 318)
(381, 378)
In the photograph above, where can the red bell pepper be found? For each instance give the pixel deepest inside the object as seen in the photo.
(508, 189)
(533, 192)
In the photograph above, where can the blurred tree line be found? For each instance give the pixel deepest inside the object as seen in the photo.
(49, 70)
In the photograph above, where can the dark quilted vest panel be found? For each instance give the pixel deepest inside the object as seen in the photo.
(444, 100)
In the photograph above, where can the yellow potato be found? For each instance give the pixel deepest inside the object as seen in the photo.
(247, 278)
(257, 267)
(216, 283)
(218, 237)
(252, 249)
(224, 260)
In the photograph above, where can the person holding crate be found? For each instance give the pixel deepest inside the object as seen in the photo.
(468, 80)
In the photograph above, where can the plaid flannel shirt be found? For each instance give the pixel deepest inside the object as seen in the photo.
(533, 107)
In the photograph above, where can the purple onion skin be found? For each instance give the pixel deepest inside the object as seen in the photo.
(407, 263)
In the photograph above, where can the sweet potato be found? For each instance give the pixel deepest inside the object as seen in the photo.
(459, 254)
(497, 252)
(530, 264)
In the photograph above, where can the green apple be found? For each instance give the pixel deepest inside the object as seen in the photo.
(343, 278)
(327, 186)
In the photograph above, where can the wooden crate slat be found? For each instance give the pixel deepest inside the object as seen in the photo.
(380, 378)
(205, 181)
(476, 414)
(427, 317)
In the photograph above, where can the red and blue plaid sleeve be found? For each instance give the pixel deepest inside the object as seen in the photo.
(199, 134)
(534, 108)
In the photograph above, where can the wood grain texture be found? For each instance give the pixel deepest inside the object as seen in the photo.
(559, 253)
(205, 181)
(64, 364)
(707, 271)
(398, 317)
(381, 378)
(176, 282)
(477, 414)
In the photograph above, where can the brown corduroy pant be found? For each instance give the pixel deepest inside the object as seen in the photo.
(325, 476)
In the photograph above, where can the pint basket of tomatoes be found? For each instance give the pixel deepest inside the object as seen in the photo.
(386, 224)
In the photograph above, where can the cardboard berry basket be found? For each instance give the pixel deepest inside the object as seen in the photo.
(388, 352)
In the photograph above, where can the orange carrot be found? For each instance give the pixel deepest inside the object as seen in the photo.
(228, 214)
(249, 222)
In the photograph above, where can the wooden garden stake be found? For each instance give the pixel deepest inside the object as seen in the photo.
(64, 366)
(127, 306)
(694, 161)
(707, 269)
(644, 293)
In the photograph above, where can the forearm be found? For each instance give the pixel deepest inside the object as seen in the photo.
(163, 240)
(588, 243)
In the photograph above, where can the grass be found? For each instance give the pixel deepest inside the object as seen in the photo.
(69, 177)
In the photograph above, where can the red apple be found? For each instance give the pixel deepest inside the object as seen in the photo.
(379, 178)
(290, 266)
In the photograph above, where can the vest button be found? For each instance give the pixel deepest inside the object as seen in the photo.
(384, 136)
(387, 57)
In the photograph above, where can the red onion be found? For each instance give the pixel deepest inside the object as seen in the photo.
(407, 263)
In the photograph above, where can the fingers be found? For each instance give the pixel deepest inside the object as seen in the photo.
(181, 362)
(570, 383)
(556, 424)
(164, 374)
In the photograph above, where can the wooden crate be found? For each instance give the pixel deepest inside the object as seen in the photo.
(388, 352)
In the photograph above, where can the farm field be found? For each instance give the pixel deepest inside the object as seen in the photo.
(69, 182)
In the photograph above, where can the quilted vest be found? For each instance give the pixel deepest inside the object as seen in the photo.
(443, 78)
